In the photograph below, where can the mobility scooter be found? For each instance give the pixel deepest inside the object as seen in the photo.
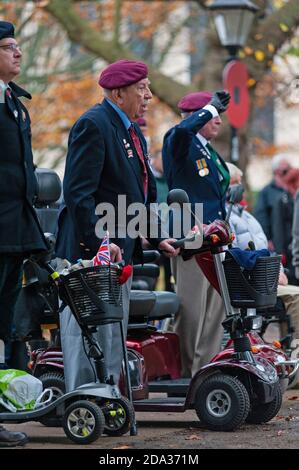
(241, 382)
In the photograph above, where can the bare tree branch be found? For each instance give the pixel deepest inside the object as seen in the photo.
(80, 32)
(269, 36)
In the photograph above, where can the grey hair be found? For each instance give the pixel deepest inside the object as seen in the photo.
(106, 92)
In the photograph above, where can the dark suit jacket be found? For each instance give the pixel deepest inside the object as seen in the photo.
(181, 151)
(274, 210)
(99, 167)
(20, 232)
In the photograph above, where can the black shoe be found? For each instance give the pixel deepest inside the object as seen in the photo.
(12, 439)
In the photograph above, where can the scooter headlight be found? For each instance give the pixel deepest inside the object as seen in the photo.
(257, 322)
(267, 370)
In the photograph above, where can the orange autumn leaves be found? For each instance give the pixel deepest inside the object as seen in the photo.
(54, 111)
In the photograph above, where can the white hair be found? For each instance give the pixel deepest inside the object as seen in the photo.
(234, 171)
(276, 160)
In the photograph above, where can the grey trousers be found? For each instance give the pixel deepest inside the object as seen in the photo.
(198, 322)
(77, 367)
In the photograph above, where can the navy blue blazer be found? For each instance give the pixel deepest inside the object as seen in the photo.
(101, 164)
(181, 152)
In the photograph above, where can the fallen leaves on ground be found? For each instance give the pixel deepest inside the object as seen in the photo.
(193, 437)
(123, 447)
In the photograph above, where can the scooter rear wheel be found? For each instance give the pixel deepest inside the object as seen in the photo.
(119, 416)
(262, 413)
(222, 403)
(83, 422)
(55, 381)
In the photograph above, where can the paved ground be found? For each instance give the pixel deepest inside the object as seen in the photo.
(183, 431)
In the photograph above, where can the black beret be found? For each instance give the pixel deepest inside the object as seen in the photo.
(7, 30)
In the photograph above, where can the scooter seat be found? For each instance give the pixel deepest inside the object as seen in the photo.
(141, 303)
(152, 305)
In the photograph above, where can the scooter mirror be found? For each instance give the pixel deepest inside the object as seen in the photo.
(235, 193)
(178, 196)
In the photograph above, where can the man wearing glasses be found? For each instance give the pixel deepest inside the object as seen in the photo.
(20, 233)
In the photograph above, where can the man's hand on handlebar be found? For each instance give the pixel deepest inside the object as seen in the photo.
(167, 248)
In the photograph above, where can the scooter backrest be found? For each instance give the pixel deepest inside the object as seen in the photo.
(148, 270)
(49, 187)
(151, 256)
(49, 191)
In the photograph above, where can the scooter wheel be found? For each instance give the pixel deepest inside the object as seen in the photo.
(222, 403)
(262, 413)
(83, 422)
(119, 415)
(293, 381)
(55, 381)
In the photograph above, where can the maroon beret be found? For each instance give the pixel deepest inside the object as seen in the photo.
(194, 101)
(122, 73)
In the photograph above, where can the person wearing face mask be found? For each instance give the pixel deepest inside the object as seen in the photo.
(192, 164)
(20, 232)
(107, 158)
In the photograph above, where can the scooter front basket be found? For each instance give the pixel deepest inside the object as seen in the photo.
(93, 294)
(255, 288)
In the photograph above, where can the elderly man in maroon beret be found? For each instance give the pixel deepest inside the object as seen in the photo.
(107, 158)
(191, 163)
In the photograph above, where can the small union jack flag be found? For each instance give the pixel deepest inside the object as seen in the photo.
(103, 255)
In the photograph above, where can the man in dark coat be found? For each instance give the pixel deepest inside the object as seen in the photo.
(20, 233)
(190, 163)
(107, 158)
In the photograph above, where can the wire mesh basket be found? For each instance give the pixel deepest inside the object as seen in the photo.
(255, 288)
(94, 294)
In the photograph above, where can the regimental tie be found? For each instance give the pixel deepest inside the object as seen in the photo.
(137, 145)
(223, 173)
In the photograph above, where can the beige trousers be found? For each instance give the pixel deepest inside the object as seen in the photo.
(290, 297)
(198, 322)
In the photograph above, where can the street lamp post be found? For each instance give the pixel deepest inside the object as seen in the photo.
(233, 20)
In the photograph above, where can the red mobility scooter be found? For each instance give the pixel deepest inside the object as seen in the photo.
(239, 384)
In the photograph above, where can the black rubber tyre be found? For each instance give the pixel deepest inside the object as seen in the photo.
(119, 415)
(222, 403)
(293, 381)
(83, 422)
(55, 381)
(264, 412)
